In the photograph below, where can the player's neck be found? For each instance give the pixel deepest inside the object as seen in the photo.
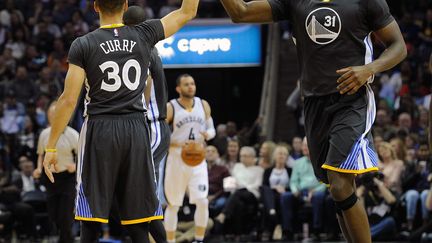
(111, 19)
(186, 102)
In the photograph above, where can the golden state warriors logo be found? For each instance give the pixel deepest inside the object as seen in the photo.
(323, 25)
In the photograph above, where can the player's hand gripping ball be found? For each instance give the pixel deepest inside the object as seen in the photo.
(193, 153)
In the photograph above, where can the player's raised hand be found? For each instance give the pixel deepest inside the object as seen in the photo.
(353, 78)
(49, 161)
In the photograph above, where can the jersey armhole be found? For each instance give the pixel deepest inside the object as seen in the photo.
(173, 111)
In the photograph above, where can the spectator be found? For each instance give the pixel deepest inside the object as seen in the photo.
(17, 44)
(265, 154)
(304, 188)
(34, 61)
(391, 167)
(80, 26)
(399, 148)
(27, 139)
(244, 199)
(220, 141)
(383, 124)
(415, 182)
(275, 183)
(168, 8)
(148, 11)
(12, 115)
(23, 86)
(58, 54)
(216, 174)
(12, 186)
(44, 39)
(52, 28)
(297, 144)
(231, 158)
(378, 201)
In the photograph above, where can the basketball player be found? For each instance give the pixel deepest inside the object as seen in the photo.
(156, 100)
(191, 119)
(334, 46)
(114, 155)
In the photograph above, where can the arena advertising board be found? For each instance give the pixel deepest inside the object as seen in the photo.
(204, 44)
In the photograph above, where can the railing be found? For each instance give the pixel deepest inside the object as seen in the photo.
(269, 90)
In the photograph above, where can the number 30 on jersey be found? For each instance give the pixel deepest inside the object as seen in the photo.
(114, 74)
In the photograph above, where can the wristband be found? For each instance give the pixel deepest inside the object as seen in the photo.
(50, 150)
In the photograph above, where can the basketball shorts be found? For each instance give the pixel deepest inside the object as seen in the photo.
(338, 130)
(115, 163)
(180, 178)
(160, 141)
(160, 135)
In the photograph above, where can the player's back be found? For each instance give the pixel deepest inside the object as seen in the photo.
(116, 59)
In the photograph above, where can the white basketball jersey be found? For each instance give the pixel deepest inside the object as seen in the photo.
(188, 125)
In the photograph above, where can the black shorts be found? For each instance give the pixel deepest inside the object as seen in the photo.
(115, 163)
(338, 129)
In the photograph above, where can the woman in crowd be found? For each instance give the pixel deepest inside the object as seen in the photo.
(399, 148)
(391, 166)
(231, 158)
(244, 199)
(275, 183)
(265, 154)
(61, 194)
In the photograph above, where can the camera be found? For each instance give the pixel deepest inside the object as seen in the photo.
(367, 180)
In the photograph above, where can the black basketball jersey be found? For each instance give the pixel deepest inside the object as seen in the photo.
(159, 91)
(116, 60)
(330, 35)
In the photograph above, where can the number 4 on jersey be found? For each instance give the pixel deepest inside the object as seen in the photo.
(191, 135)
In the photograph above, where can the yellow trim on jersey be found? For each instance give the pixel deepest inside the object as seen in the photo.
(328, 167)
(104, 221)
(143, 220)
(326, 1)
(111, 26)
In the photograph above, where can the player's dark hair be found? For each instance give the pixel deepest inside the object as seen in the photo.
(110, 6)
(181, 77)
(134, 15)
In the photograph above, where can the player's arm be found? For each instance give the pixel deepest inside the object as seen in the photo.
(258, 11)
(175, 20)
(210, 131)
(170, 113)
(147, 90)
(64, 109)
(353, 78)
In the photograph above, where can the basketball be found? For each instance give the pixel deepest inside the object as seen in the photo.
(193, 153)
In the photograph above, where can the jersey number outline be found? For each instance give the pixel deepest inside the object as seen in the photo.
(114, 75)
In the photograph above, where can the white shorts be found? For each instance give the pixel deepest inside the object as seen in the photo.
(180, 177)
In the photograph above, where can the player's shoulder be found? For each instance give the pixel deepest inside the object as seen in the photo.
(205, 103)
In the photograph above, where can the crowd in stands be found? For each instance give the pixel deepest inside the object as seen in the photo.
(255, 186)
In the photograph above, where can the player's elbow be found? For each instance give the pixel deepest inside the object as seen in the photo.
(238, 16)
(67, 101)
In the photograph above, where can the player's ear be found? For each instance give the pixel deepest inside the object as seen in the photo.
(126, 5)
(178, 89)
(95, 7)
